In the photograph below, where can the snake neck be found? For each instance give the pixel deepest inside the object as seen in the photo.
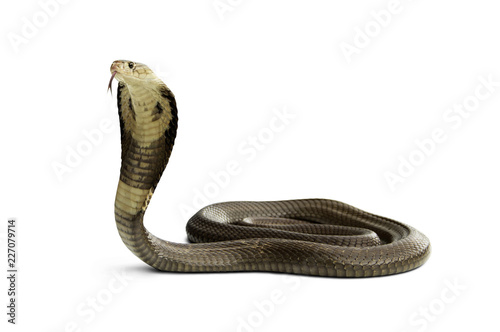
(148, 119)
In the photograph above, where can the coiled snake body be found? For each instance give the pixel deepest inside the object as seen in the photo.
(308, 236)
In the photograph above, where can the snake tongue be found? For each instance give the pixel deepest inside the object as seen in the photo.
(110, 81)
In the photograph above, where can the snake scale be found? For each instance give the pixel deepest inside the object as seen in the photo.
(308, 236)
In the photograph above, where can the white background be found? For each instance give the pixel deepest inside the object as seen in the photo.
(353, 122)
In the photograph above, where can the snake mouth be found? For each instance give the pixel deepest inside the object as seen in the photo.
(111, 81)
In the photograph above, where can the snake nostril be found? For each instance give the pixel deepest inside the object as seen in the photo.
(116, 65)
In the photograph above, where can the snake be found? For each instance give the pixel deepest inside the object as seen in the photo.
(317, 237)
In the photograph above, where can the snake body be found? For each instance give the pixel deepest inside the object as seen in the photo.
(308, 236)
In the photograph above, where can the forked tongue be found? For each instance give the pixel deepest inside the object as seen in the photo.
(111, 81)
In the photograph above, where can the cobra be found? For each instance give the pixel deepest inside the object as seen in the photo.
(307, 236)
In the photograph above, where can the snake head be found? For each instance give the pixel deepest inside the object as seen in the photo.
(130, 73)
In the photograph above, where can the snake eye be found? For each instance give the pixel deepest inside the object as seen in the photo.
(131, 65)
